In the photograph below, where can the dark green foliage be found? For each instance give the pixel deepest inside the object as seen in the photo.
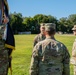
(23, 24)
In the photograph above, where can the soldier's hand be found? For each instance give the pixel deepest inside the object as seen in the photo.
(6, 20)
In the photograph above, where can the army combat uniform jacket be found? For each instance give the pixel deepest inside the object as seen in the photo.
(50, 57)
(38, 38)
(74, 56)
(74, 49)
(3, 55)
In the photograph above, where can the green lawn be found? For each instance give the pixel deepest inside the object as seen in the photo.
(22, 54)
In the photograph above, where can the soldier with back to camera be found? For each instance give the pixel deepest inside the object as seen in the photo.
(50, 57)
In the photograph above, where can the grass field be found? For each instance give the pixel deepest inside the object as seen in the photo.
(22, 54)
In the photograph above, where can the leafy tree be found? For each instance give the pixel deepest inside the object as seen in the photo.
(16, 22)
(20, 23)
(72, 19)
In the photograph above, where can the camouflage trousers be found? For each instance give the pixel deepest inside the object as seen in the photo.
(3, 61)
(74, 69)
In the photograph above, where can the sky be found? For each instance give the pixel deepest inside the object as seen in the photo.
(57, 8)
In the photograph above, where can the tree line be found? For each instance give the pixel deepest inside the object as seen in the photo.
(21, 24)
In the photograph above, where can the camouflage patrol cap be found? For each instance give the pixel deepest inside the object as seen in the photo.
(74, 28)
(49, 26)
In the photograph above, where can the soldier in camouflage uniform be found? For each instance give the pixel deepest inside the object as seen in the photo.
(50, 57)
(3, 51)
(74, 49)
(40, 36)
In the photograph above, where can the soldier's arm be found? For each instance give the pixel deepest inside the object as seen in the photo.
(35, 41)
(66, 62)
(73, 50)
(34, 63)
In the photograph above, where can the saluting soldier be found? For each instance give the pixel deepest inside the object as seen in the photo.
(3, 51)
